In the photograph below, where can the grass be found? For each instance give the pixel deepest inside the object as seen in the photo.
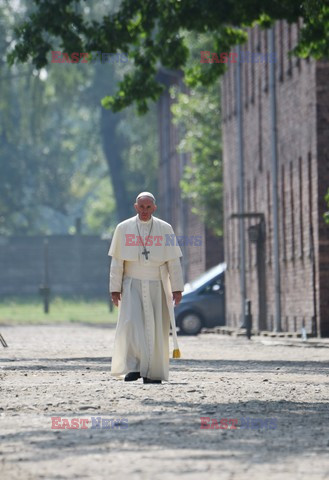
(19, 311)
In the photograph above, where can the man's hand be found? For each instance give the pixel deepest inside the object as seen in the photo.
(177, 296)
(116, 297)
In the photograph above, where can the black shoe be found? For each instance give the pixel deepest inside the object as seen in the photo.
(131, 376)
(148, 380)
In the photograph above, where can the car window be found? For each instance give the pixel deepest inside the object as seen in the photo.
(209, 288)
(204, 278)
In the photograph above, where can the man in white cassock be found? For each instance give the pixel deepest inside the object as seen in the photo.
(145, 278)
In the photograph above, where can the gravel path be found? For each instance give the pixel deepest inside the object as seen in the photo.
(63, 371)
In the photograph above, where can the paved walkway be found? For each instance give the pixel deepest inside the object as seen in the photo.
(63, 371)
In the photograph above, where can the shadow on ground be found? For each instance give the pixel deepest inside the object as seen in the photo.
(181, 431)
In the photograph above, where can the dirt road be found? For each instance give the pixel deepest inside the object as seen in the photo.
(154, 431)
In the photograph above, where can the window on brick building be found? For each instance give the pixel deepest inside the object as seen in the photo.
(301, 207)
(227, 97)
(232, 89)
(237, 249)
(258, 39)
(253, 252)
(227, 244)
(230, 93)
(281, 51)
(248, 223)
(252, 68)
(224, 98)
(260, 127)
(298, 26)
(283, 206)
(266, 63)
(310, 199)
(289, 69)
(292, 213)
(245, 80)
(232, 233)
(269, 219)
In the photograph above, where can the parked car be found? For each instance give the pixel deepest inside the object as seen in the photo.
(203, 302)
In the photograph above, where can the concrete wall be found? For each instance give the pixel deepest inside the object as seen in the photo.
(78, 265)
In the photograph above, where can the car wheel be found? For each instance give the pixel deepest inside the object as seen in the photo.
(190, 324)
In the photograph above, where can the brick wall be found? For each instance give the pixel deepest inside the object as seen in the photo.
(322, 119)
(302, 130)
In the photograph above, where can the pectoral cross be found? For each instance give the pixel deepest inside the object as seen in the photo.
(146, 252)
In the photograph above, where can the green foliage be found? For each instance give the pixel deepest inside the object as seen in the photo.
(151, 33)
(199, 114)
(315, 36)
(45, 142)
(140, 154)
(100, 208)
(52, 161)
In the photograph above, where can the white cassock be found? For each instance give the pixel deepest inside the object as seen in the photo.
(141, 342)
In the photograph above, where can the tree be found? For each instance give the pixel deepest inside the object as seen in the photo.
(35, 165)
(197, 114)
(51, 151)
(154, 33)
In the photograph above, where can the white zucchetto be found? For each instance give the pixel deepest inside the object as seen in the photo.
(145, 194)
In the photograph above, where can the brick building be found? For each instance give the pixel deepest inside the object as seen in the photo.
(300, 138)
(171, 207)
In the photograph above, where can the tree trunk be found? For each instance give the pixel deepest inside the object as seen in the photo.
(112, 146)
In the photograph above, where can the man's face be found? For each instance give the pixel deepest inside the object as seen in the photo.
(145, 207)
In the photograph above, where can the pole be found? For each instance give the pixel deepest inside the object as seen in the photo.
(3, 341)
(241, 187)
(44, 288)
(248, 318)
(46, 296)
(271, 38)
